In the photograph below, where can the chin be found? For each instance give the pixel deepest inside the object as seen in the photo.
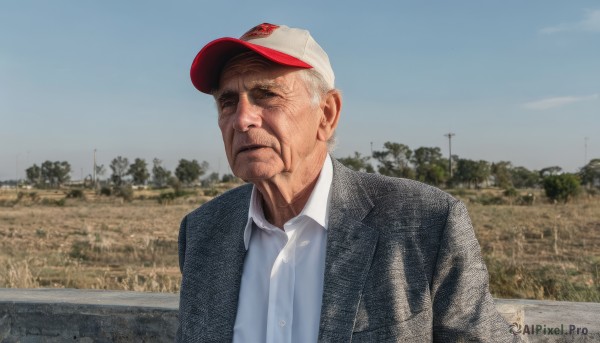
(250, 173)
(252, 176)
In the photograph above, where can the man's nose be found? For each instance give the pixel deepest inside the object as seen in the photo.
(247, 115)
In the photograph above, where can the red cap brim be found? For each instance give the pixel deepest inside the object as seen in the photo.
(207, 66)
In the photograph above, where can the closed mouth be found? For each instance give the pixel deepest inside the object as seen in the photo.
(250, 148)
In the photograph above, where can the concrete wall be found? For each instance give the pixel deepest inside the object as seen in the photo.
(68, 315)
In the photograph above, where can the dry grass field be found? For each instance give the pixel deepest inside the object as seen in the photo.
(100, 242)
(541, 251)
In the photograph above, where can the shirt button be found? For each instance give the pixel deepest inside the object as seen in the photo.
(284, 260)
(282, 323)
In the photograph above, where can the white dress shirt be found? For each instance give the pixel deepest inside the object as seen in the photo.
(282, 282)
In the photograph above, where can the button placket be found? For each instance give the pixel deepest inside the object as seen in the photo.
(281, 293)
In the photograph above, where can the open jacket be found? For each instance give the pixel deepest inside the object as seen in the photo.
(402, 265)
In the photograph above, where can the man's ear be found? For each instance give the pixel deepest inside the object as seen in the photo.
(331, 105)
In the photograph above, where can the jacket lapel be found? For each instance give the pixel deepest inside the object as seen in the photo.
(350, 249)
(217, 277)
(227, 275)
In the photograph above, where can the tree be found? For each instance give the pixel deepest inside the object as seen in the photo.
(47, 171)
(394, 160)
(119, 167)
(430, 166)
(358, 163)
(139, 172)
(561, 187)
(482, 172)
(34, 174)
(554, 170)
(100, 170)
(228, 178)
(501, 172)
(160, 175)
(590, 173)
(472, 172)
(211, 180)
(55, 173)
(189, 172)
(62, 171)
(522, 177)
(465, 171)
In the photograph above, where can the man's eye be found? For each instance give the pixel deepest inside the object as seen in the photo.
(265, 94)
(227, 103)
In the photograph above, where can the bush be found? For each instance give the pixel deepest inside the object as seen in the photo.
(125, 192)
(182, 193)
(228, 178)
(80, 250)
(486, 199)
(106, 191)
(76, 194)
(510, 192)
(211, 192)
(561, 187)
(20, 196)
(527, 199)
(51, 202)
(592, 192)
(166, 198)
(34, 196)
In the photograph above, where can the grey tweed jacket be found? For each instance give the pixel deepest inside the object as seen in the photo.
(402, 265)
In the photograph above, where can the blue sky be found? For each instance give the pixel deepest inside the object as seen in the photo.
(514, 80)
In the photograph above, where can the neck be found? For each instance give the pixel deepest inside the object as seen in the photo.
(285, 195)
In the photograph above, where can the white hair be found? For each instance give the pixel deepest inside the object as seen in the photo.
(318, 87)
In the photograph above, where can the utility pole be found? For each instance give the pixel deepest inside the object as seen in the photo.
(450, 135)
(94, 171)
(17, 173)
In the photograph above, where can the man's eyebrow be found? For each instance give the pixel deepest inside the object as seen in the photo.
(268, 84)
(224, 94)
(260, 84)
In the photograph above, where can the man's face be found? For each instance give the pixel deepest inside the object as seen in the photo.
(268, 122)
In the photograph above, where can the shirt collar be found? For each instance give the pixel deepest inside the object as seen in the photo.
(316, 208)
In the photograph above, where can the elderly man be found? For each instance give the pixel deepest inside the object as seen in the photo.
(310, 250)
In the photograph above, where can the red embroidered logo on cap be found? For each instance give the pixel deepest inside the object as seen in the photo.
(262, 30)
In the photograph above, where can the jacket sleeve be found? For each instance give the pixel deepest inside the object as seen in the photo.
(463, 308)
(181, 243)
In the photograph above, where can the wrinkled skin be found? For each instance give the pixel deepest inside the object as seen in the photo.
(274, 135)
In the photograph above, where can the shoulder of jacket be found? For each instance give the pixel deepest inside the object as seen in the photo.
(380, 186)
(231, 199)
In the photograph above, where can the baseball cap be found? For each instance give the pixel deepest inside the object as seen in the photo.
(278, 43)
